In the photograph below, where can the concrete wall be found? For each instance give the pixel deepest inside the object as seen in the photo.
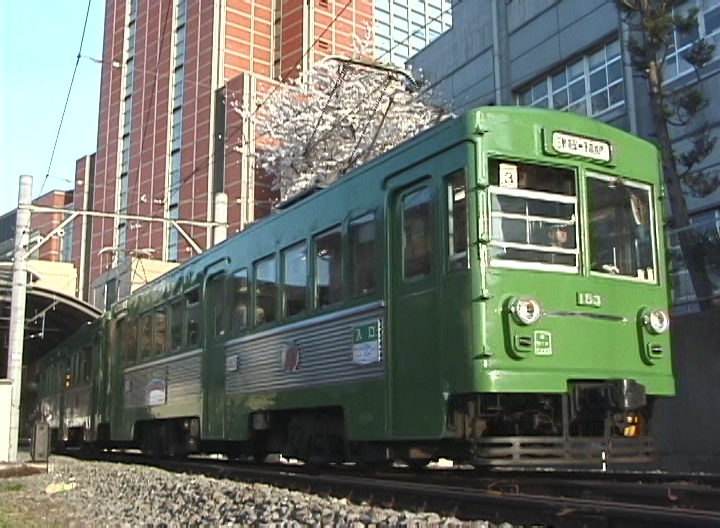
(687, 427)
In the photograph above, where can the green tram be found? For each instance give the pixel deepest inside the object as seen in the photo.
(493, 291)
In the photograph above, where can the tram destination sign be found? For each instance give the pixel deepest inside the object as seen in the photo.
(581, 146)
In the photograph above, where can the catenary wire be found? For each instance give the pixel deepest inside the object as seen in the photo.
(64, 111)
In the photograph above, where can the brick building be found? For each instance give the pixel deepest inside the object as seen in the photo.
(176, 77)
(169, 136)
(57, 248)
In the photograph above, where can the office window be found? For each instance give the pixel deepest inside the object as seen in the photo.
(180, 14)
(180, 46)
(708, 26)
(328, 268)
(589, 86)
(178, 86)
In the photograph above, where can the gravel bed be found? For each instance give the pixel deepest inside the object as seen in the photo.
(109, 494)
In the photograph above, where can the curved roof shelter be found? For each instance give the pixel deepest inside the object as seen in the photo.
(50, 316)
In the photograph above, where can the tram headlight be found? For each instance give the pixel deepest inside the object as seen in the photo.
(525, 310)
(656, 321)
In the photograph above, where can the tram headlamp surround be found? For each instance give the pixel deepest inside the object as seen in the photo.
(656, 321)
(525, 310)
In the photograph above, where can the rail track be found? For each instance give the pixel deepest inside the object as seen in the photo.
(551, 498)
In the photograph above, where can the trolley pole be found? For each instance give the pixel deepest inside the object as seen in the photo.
(16, 335)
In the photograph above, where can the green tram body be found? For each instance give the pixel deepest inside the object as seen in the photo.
(412, 310)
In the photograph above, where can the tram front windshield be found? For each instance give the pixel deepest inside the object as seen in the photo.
(534, 221)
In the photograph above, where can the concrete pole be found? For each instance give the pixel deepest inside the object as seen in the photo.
(220, 215)
(16, 336)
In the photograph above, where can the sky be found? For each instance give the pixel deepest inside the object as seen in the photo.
(39, 43)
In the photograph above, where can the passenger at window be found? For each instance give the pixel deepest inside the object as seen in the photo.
(559, 236)
(259, 316)
(562, 236)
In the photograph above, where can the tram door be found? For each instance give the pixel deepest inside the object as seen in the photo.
(213, 363)
(416, 402)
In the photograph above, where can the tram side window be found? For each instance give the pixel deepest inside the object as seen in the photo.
(266, 290)
(97, 355)
(295, 278)
(121, 339)
(328, 267)
(241, 301)
(362, 255)
(145, 324)
(194, 318)
(417, 234)
(159, 331)
(457, 221)
(216, 291)
(132, 340)
(177, 322)
(86, 364)
(69, 380)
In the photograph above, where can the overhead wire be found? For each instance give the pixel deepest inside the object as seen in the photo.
(67, 98)
(65, 107)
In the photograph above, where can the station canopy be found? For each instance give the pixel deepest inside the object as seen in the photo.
(50, 317)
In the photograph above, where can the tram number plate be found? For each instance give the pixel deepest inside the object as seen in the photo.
(589, 299)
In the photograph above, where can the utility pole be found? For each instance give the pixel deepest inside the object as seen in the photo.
(16, 335)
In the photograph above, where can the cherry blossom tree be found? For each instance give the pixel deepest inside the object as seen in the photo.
(336, 116)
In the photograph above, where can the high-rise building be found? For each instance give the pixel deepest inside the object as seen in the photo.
(404, 27)
(179, 79)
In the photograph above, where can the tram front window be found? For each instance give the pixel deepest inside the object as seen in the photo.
(621, 235)
(533, 216)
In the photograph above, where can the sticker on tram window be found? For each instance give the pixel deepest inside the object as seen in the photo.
(508, 176)
(581, 146)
